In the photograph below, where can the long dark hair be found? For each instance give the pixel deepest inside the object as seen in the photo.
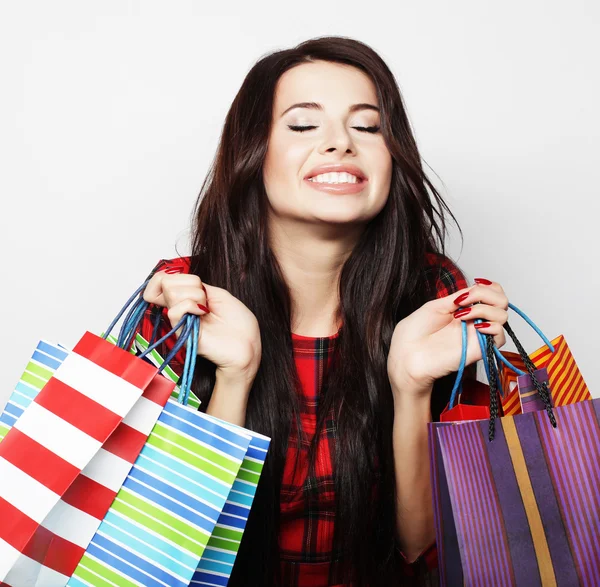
(381, 282)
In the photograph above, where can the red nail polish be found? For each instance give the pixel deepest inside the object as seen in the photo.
(204, 308)
(482, 281)
(461, 313)
(460, 299)
(483, 325)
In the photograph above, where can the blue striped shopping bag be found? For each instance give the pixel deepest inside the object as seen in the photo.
(217, 562)
(46, 358)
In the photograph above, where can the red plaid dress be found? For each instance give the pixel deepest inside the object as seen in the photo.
(307, 502)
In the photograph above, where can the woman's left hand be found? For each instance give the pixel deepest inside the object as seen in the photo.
(426, 345)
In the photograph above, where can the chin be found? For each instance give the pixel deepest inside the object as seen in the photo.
(341, 219)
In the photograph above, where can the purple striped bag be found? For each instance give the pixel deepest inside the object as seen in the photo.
(524, 508)
(517, 498)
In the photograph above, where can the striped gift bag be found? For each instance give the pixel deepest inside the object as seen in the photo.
(59, 542)
(46, 358)
(565, 380)
(62, 421)
(523, 509)
(160, 523)
(219, 556)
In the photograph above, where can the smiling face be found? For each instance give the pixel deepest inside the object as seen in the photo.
(336, 126)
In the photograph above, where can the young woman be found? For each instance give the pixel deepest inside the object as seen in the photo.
(329, 316)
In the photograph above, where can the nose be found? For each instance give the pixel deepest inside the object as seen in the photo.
(337, 139)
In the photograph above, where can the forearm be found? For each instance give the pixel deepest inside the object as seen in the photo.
(413, 481)
(229, 400)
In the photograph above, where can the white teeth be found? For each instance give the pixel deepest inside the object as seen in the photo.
(335, 177)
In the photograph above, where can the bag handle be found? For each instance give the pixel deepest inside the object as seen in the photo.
(500, 358)
(457, 389)
(128, 303)
(533, 325)
(491, 357)
(189, 337)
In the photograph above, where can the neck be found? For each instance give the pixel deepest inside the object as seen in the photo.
(311, 259)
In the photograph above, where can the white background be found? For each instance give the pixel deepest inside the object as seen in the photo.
(111, 111)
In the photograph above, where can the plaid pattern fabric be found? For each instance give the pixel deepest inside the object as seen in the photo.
(308, 501)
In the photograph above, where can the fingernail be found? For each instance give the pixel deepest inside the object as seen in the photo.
(461, 298)
(483, 325)
(482, 281)
(461, 313)
(203, 308)
(171, 271)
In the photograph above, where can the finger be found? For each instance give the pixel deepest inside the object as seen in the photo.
(154, 291)
(483, 311)
(176, 313)
(488, 283)
(483, 294)
(495, 329)
(447, 304)
(174, 294)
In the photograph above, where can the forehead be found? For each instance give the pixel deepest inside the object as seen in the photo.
(334, 85)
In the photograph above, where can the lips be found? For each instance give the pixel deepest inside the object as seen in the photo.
(339, 168)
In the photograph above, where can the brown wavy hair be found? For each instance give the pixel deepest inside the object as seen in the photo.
(382, 281)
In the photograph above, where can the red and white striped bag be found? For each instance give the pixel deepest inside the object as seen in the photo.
(67, 455)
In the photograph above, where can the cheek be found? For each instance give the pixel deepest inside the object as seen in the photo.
(283, 167)
(381, 169)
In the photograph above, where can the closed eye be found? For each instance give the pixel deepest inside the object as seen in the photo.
(371, 129)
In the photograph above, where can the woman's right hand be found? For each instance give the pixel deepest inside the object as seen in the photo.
(229, 332)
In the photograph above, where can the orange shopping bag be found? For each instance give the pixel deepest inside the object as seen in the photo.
(566, 383)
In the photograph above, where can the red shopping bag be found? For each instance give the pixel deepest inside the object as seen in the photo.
(67, 454)
(59, 434)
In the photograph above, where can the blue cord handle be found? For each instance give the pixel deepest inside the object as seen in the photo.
(188, 337)
(531, 323)
(500, 359)
(190, 359)
(481, 340)
(137, 292)
(131, 323)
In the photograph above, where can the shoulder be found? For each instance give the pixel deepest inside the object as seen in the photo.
(443, 276)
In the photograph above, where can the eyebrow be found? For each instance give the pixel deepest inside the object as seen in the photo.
(316, 106)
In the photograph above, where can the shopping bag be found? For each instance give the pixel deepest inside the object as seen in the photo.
(517, 501)
(524, 509)
(160, 523)
(472, 404)
(46, 358)
(59, 433)
(564, 377)
(217, 561)
(64, 393)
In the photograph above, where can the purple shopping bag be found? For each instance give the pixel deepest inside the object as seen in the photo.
(523, 509)
(517, 498)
